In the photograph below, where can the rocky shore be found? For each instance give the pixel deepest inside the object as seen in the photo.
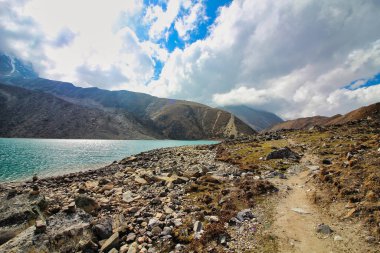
(165, 200)
(308, 190)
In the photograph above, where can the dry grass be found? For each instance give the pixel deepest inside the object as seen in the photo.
(355, 178)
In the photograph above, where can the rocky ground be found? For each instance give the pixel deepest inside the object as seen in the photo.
(280, 192)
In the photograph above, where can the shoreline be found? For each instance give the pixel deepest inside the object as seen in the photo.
(85, 168)
(121, 188)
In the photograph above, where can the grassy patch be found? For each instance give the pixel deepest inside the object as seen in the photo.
(251, 156)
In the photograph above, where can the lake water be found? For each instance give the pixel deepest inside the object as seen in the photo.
(22, 158)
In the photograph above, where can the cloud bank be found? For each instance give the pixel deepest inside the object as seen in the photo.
(295, 58)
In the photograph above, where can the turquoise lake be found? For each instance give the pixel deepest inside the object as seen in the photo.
(22, 158)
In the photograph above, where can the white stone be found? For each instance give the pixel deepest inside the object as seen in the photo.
(300, 210)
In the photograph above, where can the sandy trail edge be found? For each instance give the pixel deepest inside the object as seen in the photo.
(296, 232)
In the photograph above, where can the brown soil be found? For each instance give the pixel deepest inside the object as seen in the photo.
(296, 232)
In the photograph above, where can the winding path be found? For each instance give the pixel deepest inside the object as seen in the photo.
(297, 217)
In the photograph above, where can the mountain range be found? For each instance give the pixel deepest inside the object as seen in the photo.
(36, 107)
(31, 106)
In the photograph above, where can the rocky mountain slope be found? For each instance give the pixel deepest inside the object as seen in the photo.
(168, 118)
(27, 113)
(257, 119)
(371, 111)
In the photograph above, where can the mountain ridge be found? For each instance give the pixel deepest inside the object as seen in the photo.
(34, 114)
(257, 119)
(371, 111)
(167, 118)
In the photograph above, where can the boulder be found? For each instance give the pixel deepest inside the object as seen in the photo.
(103, 230)
(40, 227)
(87, 203)
(140, 180)
(70, 208)
(180, 180)
(245, 214)
(128, 197)
(110, 243)
(20, 208)
(64, 232)
(283, 153)
(326, 161)
(88, 246)
(6, 236)
(324, 229)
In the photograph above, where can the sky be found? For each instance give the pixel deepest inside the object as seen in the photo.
(295, 58)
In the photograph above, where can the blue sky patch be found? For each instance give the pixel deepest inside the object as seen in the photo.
(173, 40)
(361, 83)
(202, 30)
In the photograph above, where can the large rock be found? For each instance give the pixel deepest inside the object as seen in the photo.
(283, 153)
(112, 242)
(63, 234)
(140, 180)
(87, 203)
(6, 236)
(20, 209)
(103, 229)
(128, 197)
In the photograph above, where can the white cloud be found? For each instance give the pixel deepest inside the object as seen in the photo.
(81, 41)
(290, 57)
(307, 91)
(185, 15)
(160, 20)
(286, 56)
(96, 46)
(188, 23)
(341, 100)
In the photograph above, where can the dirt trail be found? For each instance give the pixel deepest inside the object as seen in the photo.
(297, 217)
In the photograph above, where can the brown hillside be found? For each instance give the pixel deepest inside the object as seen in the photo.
(197, 121)
(371, 111)
(34, 114)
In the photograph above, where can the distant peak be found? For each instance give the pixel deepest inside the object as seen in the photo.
(11, 66)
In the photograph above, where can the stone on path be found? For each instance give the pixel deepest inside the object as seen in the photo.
(300, 210)
(324, 229)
